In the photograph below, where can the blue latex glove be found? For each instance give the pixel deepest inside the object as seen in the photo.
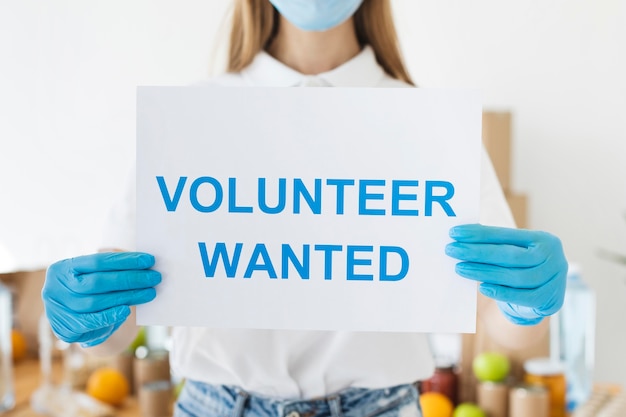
(87, 298)
(524, 270)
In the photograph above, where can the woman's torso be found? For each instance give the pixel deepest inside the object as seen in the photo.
(303, 364)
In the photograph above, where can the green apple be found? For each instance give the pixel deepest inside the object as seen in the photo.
(140, 340)
(491, 366)
(178, 388)
(468, 410)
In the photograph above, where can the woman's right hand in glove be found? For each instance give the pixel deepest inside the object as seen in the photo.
(89, 297)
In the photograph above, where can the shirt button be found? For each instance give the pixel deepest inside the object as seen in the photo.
(293, 414)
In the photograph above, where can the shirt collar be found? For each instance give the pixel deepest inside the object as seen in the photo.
(360, 71)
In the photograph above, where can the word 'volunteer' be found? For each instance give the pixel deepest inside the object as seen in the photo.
(367, 196)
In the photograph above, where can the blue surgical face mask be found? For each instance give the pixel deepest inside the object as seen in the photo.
(316, 15)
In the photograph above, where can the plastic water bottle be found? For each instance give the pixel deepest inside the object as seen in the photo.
(7, 395)
(573, 338)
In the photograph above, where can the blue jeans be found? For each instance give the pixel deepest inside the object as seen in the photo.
(198, 399)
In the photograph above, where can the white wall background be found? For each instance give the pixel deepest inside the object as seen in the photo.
(68, 71)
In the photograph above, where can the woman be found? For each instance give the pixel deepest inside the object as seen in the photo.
(296, 373)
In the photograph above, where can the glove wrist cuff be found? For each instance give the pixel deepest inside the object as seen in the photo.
(520, 315)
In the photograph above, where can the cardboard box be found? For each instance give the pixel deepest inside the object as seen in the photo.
(497, 141)
(519, 207)
(522, 346)
(28, 306)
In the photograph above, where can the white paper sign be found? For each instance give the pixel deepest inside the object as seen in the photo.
(307, 208)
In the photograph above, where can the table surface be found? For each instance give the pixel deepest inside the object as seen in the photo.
(27, 379)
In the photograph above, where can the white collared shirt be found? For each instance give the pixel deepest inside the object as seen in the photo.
(304, 364)
(266, 71)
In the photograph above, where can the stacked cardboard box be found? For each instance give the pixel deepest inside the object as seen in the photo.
(497, 141)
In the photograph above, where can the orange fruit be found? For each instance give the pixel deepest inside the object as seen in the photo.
(108, 385)
(18, 344)
(435, 404)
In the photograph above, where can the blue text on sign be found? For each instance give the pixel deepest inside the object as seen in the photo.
(370, 197)
(260, 261)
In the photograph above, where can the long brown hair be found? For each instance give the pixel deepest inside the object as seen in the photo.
(255, 23)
